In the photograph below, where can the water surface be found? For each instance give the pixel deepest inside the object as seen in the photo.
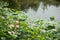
(44, 13)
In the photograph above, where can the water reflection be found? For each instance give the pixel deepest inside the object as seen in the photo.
(45, 14)
(37, 8)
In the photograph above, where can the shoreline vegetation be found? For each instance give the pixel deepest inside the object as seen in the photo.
(25, 4)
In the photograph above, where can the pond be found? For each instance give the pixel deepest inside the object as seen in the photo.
(42, 9)
(44, 13)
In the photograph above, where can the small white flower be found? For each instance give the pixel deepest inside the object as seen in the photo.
(17, 26)
(9, 32)
(42, 30)
(2, 17)
(11, 25)
(17, 21)
(54, 30)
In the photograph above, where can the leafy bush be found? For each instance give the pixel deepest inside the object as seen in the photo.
(14, 25)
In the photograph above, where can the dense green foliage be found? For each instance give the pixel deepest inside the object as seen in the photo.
(14, 25)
